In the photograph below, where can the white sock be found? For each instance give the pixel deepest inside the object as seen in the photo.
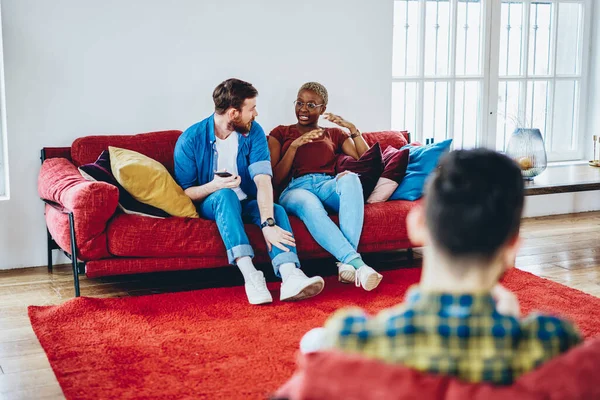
(246, 267)
(286, 270)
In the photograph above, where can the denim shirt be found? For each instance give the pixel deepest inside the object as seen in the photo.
(196, 156)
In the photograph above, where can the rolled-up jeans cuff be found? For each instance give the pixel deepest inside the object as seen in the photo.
(284, 258)
(350, 257)
(243, 250)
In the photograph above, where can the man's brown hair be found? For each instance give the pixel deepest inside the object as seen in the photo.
(232, 93)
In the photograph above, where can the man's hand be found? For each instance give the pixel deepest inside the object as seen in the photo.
(336, 119)
(307, 138)
(230, 182)
(275, 236)
(506, 301)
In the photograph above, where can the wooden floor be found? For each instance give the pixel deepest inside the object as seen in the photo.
(565, 249)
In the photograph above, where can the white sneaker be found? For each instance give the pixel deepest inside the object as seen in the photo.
(256, 289)
(298, 286)
(346, 273)
(368, 278)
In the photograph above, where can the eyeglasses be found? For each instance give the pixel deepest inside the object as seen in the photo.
(311, 106)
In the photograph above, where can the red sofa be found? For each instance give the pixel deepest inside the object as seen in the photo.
(109, 242)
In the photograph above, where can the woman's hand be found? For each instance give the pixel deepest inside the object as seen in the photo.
(307, 138)
(336, 119)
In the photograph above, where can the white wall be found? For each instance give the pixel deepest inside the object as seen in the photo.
(82, 67)
(561, 203)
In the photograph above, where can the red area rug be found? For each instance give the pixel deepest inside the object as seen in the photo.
(211, 344)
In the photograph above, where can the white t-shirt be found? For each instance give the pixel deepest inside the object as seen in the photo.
(227, 151)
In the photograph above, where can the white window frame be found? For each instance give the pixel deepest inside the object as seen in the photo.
(4, 176)
(451, 78)
(490, 77)
(582, 78)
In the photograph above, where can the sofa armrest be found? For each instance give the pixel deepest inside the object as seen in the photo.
(92, 205)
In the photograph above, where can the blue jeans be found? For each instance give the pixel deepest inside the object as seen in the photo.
(224, 207)
(310, 196)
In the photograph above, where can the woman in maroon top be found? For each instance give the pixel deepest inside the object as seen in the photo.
(306, 153)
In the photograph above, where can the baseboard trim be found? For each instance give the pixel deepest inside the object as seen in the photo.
(561, 203)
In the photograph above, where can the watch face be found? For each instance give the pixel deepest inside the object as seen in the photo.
(270, 221)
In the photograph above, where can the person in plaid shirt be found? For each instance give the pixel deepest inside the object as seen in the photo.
(458, 320)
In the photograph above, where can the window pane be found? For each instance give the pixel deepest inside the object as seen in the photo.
(404, 108)
(468, 38)
(437, 37)
(509, 97)
(406, 38)
(538, 100)
(540, 18)
(435, 111)
(510, 38)
(566, 106)
(467, 113)
(569, 40)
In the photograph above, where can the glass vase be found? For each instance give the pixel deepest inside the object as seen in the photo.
(526, 147)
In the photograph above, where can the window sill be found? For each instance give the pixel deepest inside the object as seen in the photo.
(4, 198)
(563, 163)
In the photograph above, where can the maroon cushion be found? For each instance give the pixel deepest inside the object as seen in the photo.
(396, 162)
(368, 167)
(101, 171)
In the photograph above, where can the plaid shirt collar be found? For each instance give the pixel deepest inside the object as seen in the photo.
(451, 304)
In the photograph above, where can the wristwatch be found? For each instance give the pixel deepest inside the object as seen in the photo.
(355, 134)
(268, 222)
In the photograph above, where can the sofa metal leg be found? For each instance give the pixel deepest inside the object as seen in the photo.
(50, 246)
(74, 254)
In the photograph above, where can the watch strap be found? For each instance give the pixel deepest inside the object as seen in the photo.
(268, 222)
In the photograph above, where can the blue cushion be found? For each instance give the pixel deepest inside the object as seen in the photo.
(422, 160)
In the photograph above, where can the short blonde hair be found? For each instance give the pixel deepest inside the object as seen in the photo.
(317, 88)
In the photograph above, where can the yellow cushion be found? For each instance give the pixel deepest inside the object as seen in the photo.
(149, 181)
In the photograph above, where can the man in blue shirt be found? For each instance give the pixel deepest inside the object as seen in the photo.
(224, 166)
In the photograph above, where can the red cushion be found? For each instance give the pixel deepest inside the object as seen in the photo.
(156, 145)
(136, 236)
(396, 139)
(336, 375)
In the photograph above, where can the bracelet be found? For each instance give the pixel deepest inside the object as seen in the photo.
(354, 135)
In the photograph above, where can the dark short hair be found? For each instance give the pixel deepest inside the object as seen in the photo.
(232, 93)
(474, 201)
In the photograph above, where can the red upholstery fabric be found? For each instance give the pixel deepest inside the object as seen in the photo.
(124, 266)
(574, 375)
(156, 145)
(57, 152)
(92, 204)
(334, 375)
(386, 138)
(136, 236)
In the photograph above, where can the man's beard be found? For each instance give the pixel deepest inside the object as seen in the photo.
(240, 127)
